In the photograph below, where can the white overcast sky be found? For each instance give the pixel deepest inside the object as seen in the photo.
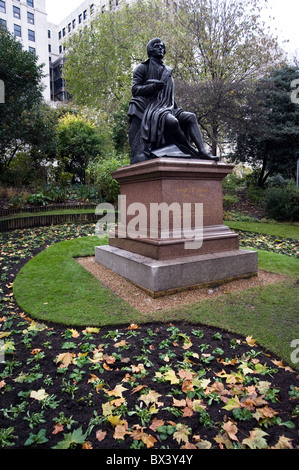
(285, 12)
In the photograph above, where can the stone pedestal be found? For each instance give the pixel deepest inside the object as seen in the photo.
(171, 234)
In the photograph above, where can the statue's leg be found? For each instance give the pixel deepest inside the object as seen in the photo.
(135, 141)
(177, 135)
(189, 121)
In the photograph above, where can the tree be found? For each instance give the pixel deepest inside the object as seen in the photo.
(79, 141)
(20, 113)
(100, 59)
(230, 49)
(270, 139)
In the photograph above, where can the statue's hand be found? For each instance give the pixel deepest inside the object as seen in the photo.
(159, 86)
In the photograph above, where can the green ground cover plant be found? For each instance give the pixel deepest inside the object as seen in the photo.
(167, 384)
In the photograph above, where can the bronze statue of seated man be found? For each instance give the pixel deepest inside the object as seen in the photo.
(157, 125)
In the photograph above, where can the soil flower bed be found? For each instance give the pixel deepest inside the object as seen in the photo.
(153, 386)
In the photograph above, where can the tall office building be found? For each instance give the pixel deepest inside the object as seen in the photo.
(27, 20)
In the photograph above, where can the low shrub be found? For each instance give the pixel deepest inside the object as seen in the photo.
(229, 201)
(282, 203)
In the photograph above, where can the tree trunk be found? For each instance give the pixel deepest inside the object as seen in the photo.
(263, 177)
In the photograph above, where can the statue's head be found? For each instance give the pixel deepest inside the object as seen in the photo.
(156, 48)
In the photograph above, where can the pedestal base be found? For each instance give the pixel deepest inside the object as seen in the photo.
(167, 276)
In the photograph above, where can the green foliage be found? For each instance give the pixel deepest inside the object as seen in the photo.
(270, 138)
(229, 201)
(282, 203)
(79, 141)
(100, 172)
(226, 49)
(25, 120)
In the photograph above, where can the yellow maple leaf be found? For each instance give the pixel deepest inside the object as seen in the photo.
(182, 433)
(232, 404)
(116, 420)
(150, 397)
(65, 358)
(116, 392)
(171, 377)
(39, 394)
(250, 341)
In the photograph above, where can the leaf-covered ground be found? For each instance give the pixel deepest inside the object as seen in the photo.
(154, 386)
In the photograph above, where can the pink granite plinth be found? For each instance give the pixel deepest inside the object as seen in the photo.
(171, 234)
(171, 183)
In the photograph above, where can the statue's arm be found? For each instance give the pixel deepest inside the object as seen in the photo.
(140, 87)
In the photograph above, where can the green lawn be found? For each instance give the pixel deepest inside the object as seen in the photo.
(54, 287)
(276, 229)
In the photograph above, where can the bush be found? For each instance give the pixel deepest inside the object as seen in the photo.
(100, 172)
(255, 194)
(282, 203)
(229, 201)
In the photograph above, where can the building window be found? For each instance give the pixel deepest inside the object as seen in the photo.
(60, 49)
(69, 27)
(2, 7)
(30, 3)
(59, 35)
(63, 32)
(92, 9)
(49, 48)
(30, 17)
(74, 24)
(49, 34)
(32, 50)
(80, 18)
(3, 23)
(31, 35)
(16, 12)
(17, 30)
(84, 14)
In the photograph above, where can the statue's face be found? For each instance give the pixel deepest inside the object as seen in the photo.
(158, 50)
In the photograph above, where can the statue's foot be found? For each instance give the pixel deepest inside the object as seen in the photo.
(207, 156)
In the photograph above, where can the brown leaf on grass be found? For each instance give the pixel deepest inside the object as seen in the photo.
(189, 445)
(57, 428)
(151, 397)
(186, 374)
(66, 359)
(121, 344)
(2, 384)
(256, 439)
(133, 326)
(223, 441)
(116, 421)
(156, 424)
(109, 359)
(179, 403)
(120, 431)
(231, 429)
(137, 389)
(117, 391)
(87, 446)
(204, 445)
(138, 434)
(148, 440)
(182, 433)
(35, 351)
(283, 443)
(100, 435)
(75, 333)
(250, 341)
